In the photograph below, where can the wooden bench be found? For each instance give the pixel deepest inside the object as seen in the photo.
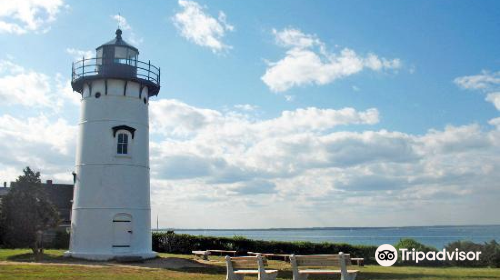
(341, 260)
(238, 267)
(201, 254)
(222, 252)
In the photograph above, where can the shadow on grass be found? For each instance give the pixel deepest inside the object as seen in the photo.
(185, 265)
(170, 263)
(287, 274)
(361, 276)
(30, 257)
(211, 270)
(395, 276)
(54, 259)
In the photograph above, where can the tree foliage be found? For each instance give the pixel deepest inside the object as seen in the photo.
(26, 212)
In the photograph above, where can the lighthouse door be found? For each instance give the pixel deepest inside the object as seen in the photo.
(122, 232)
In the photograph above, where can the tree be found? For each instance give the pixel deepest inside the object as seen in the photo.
(27, 212)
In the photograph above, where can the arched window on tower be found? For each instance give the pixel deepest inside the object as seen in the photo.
(122, 144)
(124, 136)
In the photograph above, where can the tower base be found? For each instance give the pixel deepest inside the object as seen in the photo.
(109, 256)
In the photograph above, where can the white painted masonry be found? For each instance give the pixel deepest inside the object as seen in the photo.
(111, 214)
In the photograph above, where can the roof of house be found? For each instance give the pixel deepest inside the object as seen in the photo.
(4, 191)
(61, 195)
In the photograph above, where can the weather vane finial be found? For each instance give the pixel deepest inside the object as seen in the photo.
(119, 19)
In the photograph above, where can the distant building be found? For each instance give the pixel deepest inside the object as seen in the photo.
(61, 195)
(3, 191)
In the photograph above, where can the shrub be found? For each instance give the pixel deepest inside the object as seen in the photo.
(410, 244)
(60, 241)
(170, 242)
(490, 253)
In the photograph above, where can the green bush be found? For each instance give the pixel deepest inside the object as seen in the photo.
(170, 242)
(490, 253)
(61, 240)
(410, 244)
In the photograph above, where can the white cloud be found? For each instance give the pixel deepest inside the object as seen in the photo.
(40, 142)
(172, 117)
(183, 119)
(20, 17)
(494, 98)
(223, 20)
(307, 162)
(64, 89)
(295, 38)
(125, 26)
(121, 22)
(495, 122)
(246, 107)
(201, 28)
(319, 119)
(308, 62)
(484, 81)
(303, 161)
(79, 54)
(26, 87)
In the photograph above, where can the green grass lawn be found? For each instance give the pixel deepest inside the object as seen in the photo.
(18, 264)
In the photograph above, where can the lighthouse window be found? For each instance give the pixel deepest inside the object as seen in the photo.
(122, 146)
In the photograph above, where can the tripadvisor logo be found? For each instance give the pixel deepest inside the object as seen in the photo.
(387, 255)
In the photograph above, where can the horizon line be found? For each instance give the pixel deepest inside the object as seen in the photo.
(315, 228)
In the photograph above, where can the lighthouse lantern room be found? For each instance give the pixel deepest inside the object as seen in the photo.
(111, 214)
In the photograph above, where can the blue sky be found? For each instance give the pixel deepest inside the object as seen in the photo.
(294, 105)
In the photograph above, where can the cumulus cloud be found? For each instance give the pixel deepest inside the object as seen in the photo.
(26, 87)
(494, 98)
(79, 54)
(306, 162)
(303, 161)
(44, 143)
(183, 119)
(307, 61)
(246, 107)
(20, 17)
(484, 81)
(129, 35)
(172, 117)
(199, 27)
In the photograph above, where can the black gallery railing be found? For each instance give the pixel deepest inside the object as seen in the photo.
(89, 67)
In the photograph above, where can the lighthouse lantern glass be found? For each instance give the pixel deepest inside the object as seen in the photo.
(125, 55)
(116, 54)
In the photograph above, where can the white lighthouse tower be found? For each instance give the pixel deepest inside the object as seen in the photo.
(111, 214)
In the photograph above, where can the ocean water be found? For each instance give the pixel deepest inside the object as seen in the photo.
(437, 236)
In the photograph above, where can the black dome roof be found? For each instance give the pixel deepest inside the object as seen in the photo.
(118, 41)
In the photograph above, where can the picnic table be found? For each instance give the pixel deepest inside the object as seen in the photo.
(359, 261)
(222, 252)
(201, 254)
